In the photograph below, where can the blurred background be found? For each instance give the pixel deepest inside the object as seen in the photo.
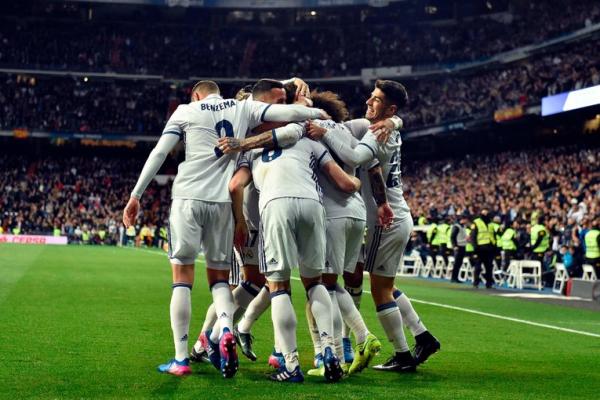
(503, 114)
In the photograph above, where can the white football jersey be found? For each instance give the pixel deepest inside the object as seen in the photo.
(339, 204)
(287, 172)
(388, 155)
(206, 171)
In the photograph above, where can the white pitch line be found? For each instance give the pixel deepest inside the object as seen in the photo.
(470, 311)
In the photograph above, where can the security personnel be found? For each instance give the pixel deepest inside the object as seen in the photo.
(540, 240)
(496, 230)
(458, 242)
(162, 237)
(85, 236)
(56, 231)
(592, 247)
(509, 243)
(422, 220)
(432, 239)
(102, 235)
(442, 233)
(483, 241)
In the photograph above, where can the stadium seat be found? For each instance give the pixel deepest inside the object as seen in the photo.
(588, 273)
(427, 268)
(513, 274)
(411, 266)
(560, 278)
(466, 271)
(449, 268)
(525, 274)
(440, 267)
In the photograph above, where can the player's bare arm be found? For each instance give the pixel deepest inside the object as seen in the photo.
(280, 137)
(342, 180)
(385, 215)
(157, 156)
(239, 181)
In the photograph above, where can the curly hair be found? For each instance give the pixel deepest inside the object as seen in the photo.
(331, 103)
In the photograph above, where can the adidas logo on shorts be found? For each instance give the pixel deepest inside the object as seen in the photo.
(272, 261)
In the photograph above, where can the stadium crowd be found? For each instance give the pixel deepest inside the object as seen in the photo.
(344, 48)
(559, 188)
(141, 107)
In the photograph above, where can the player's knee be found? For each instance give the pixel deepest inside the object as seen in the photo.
(253, 275)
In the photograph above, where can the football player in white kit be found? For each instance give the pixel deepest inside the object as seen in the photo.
(385, 247)
(246, 251)
(293, 233)
(201, 200)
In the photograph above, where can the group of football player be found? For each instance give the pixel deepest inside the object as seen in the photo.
(275, 179)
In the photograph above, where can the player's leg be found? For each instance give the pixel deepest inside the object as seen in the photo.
(383, 257)
(367, 345)
(426, 343)
(218, 245)
(310, 239)
(279, 253)
(184, 243)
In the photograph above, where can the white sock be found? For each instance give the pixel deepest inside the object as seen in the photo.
(242, 296)
(312, 329)
(337, 326)
(209, 321)
(356, 295)
(255, 309)
(351, 315)
(181, 311)
(284, 324)
(224, 307)
(391, 321)
(409, 315)
(320, 305)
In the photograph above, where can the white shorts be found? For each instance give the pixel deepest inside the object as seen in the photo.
(196, 225)
(385, 248)
(250, 250)
(292, 234)
(235, 271)
(343, 246)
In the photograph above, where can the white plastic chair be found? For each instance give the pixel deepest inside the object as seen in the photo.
(560, 278)
(514, 274)
(411, 266)
(440, 267)
(466, 270)
(588, 273)
(449, 268)
(427, 268)
(531, 274)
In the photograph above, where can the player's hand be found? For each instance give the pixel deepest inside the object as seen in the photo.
(385, 215)
(315, 132)
(229, 145)
(302, 88)
(240, 235)
(324, 114)
(131, 211)
(382, 130)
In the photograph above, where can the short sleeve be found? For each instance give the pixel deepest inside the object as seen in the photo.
(321, 153)
(256, 112)
(178, 122)
(245, 160)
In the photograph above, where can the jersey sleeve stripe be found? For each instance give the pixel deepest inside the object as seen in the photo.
(173, 133)
(275, 144)
(369, 147)
(320, 158)
(262, 116)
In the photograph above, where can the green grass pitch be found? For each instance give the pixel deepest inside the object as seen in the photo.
(93, 322)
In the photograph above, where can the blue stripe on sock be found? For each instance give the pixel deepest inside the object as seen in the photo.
(385, 306)
(397, 293)
(279, 293)
(248, 287)
(181, 284)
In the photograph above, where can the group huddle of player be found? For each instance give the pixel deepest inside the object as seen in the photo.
(275, 179)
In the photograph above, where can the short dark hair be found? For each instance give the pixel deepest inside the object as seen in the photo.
(207, 87)
(331, 103)
(395, 92)
(265, 85)
(290, 92)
